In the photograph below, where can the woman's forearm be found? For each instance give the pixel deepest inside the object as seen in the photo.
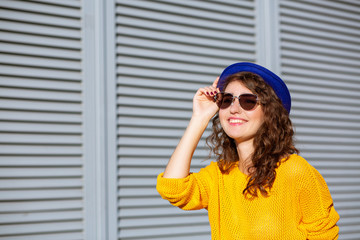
(179, 163)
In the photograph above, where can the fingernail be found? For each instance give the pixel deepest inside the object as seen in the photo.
(212, 93)
(207, 93)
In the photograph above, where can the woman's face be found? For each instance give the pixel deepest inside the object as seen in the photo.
(237, 123)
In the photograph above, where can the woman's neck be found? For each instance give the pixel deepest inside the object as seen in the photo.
(245, 151)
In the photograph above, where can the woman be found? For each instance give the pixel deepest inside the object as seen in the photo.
(259, 188)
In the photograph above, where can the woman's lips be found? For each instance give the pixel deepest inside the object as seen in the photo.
(237, 121)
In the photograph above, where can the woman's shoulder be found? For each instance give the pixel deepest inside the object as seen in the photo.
(296, 165)
(211, 167)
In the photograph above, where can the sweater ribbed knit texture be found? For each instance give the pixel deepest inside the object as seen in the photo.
(299, 205)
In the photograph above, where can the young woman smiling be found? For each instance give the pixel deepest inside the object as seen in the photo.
(259, 187)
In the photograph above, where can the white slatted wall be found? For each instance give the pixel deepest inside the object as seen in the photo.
(40, 120)
(320, 60)
(166, 50)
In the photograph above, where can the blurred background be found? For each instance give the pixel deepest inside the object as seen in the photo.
(95, 95)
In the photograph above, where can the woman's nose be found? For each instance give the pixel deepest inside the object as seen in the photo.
(235, 106)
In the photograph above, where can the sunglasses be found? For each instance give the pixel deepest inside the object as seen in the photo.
(247, 101)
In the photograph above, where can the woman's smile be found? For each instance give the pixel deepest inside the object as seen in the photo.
(237, 121)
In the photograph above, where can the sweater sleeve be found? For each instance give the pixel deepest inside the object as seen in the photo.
(319, 217)
(189, 193)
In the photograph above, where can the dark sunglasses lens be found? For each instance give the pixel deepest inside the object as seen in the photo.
(248, 101)
(224, 100)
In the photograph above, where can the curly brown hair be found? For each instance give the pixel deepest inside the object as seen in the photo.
(272, 142)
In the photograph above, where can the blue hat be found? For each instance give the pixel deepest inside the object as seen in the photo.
(269, 77)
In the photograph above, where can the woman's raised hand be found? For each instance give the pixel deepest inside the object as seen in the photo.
(203, 102)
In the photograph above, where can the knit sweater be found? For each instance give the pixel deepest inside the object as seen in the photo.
(299, 205)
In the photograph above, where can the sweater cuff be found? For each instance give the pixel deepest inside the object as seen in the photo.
(171, 186)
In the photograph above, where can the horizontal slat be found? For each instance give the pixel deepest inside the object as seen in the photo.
(225, 6)
(40, 172)
(152, 132)
(149, 132)
(16, 218)
(136, 71)
(159, 64)
(40, 128)
(224, 12)
(42, 41)
(41, 95)
(350, 213)
(332, 8)
(343, 164)
(148, 141)
(25, 195)
(40, 150)
(36, 18)
(324, 67)
(42, 73)
(43, 139)
(345, 118)
(302, 118)
(243, 43)
(340, 206)
(153, 112)
(30, 61)
(331, 157)
(163, 20)
(320, 82)
(351, 133)
(323, 41)
(29, 28)
(319, 18)
(22, 49)
(133, 83)
(317, 51)
(40, 228)
(69, 9)
(18, 82)
(189, 58)
(44, 117)
(326, 94)
(124, 42)
(345, 33)
(41, 236)
(42, 106)
(130, 181)
(346, 197)
(324, 58)
(330, 148)
(348, 233)
(339, 140)
(302, 102)
(152, 122)
(43, 161)
(153, 152)
(41, 206)
(135, 95)
(41, 183)
(153, 101)
(350, 189)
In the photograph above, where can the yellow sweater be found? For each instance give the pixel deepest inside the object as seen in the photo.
(299, 205)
